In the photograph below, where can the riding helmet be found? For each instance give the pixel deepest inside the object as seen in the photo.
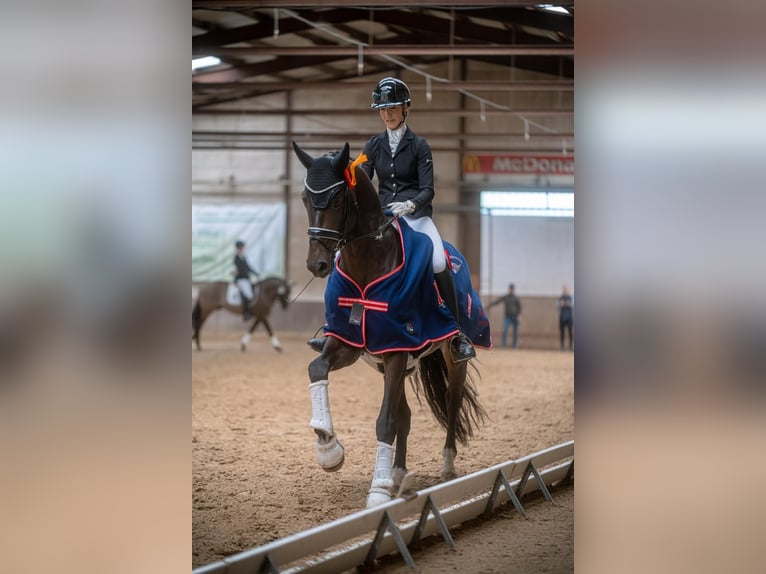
(390, 92)
(239, 244)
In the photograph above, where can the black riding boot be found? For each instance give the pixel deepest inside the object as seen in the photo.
(317, 343)
(460, 345)
(246, 312)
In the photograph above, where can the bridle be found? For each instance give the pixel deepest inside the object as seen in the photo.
(339, 236)
(322, 234)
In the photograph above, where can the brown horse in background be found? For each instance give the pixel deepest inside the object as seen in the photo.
(212, 296)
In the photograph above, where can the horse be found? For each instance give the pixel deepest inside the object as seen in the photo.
(212, 296)
(345, 217)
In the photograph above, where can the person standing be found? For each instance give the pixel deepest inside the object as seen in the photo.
(404, 165)
(566, 316)
(242, 279)
(512, 314)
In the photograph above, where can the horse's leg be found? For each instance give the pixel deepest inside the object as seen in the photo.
(196, 323)
(198, 319)
(402, 432)
(335, 355)
(274, 340)
(246, 337)
(456, 374)
(391, 419)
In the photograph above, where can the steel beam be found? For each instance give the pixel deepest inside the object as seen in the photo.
(218, 4)
(276, 136)
(473, 86)
(550, 112)
(391, 50)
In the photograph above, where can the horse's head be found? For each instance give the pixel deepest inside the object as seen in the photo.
(330, 206)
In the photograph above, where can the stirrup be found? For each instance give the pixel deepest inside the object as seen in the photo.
(317, 344)
(461, 348)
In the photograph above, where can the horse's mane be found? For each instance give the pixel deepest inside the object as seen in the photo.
(366, 195)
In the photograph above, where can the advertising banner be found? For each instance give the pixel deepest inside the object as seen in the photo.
(216, 227)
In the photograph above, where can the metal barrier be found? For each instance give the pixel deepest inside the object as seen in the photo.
(436, 509)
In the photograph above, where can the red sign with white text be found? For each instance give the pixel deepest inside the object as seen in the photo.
(519, 164)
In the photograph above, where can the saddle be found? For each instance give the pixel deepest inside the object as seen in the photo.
(234, 297)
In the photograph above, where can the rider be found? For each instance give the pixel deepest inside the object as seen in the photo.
(242, 279)
(404, 166)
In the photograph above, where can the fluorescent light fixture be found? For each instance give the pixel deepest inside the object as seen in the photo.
(205, 62)
(554, 8)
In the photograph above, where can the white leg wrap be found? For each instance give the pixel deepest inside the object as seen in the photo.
(382, 478)
(245, 339)
(329, 450)
(275, 342)
(321, 418)
(448, 464)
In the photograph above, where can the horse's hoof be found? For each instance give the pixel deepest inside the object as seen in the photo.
(330, 455)
(278, 349)
(448, 475)
(376, 497)
(242, 348)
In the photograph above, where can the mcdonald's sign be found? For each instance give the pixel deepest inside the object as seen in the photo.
(519, 164)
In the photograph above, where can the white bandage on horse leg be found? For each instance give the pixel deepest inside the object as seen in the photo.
(275, 342)
(382, 478)
(321, 419)
(383, 475)
(245, 339)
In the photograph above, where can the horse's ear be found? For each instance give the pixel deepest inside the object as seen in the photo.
(304, 158)
(340, 161)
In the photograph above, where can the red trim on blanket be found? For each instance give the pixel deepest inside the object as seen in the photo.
(393, 349)
(363, 292)
(366, 303)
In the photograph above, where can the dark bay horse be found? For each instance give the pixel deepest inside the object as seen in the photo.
(348, 218)
(212, 296)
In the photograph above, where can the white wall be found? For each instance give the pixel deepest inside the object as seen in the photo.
(535, 253)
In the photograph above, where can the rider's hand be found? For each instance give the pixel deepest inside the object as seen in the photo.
(399, 208)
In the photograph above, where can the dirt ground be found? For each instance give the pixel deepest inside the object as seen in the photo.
(255, 478)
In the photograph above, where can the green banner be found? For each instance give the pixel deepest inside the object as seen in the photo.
(216, 227)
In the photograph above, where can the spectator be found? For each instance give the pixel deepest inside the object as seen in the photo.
(566, 316)
(512, 314)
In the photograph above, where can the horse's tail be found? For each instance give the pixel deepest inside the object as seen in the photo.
(196, 319)
(432, 378)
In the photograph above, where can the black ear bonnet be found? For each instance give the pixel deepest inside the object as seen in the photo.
(323, 182)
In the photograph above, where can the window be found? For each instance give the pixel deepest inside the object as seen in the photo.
(528, 203)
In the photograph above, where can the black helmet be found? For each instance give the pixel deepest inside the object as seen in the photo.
(239, 244)
(390, 92)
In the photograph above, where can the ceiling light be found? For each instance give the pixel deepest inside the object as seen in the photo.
(554, 8)
(205, 62)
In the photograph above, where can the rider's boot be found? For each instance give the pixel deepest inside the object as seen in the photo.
(317, 343)
(460, 345)
(247, 314)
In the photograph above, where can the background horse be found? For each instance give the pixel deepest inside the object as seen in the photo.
(349, 219)
(212, 296)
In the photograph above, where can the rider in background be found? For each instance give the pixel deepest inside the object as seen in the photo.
(404, 166)
(242, 279)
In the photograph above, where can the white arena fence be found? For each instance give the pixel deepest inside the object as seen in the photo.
(359, 538)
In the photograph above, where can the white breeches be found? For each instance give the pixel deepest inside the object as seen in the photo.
(245, 287)
(426, 225)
